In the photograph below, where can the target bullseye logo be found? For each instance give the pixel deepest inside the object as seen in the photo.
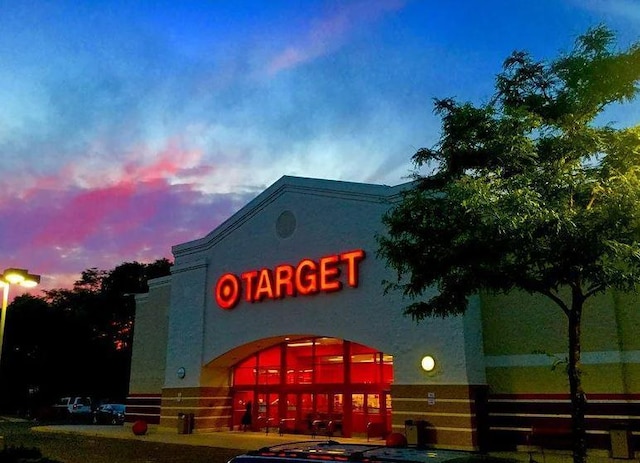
(228, 291)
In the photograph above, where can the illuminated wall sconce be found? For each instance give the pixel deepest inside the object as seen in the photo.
(428, 363)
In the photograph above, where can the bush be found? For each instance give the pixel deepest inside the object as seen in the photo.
(23, 455)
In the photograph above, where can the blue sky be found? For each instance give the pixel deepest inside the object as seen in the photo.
(128, 127)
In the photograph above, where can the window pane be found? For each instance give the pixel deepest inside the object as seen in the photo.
(330, 369)
(373, 403)
(360, 349)
(299, 362)
(322, 405)
(269, 375)
(267, 410)
(269, 356)
(328, 346)
(337, 411)
(387, 369)
(357, 412)
(269, 366)
(292, 406)
(306, 410)
(365, 368)
(244, 376)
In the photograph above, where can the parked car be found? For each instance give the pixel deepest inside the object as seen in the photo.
(395, 450)
(74, 408)
(109, 414)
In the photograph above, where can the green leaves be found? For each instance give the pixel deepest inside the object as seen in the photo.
(528, 191)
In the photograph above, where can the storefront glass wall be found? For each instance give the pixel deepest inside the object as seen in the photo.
(314, 384)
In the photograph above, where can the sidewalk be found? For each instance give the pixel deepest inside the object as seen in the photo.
(223, 439)
(255, 440)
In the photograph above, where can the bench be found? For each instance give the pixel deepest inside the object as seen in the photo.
(334, 426)
(287, 425)
(266, 423)
(549, 437)
(327, 426)
(318, 427)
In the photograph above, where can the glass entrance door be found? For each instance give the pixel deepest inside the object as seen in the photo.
(367, 408)
(242, 402)
(267, 410)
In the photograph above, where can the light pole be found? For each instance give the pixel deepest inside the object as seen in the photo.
(13, 276)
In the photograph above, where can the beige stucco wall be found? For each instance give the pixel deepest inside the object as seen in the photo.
(149, 351)
(628, 314)
(526, 344)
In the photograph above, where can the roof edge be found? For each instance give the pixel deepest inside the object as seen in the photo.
(353, 191)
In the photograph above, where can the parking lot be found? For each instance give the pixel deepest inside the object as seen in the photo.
(68, 445)
(72, 443)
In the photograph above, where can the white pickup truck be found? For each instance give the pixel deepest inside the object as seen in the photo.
(73, 407)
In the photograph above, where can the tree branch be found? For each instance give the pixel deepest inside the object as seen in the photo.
(557, 300)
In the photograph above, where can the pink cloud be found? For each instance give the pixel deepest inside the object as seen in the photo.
(60, 224)
(328, 33)
(82, 212)
(173, 160)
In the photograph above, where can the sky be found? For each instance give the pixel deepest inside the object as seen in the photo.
(127, 127)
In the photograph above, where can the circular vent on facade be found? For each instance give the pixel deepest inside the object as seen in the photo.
(286, 224)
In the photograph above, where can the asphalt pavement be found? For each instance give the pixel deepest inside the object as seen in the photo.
(254, 440)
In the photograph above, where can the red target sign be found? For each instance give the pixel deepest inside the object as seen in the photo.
(328, 274)
(228, 291)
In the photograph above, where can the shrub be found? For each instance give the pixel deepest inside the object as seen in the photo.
(23, 455)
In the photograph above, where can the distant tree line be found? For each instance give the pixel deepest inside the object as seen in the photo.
(73, 341)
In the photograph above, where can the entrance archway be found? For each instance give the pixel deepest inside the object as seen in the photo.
(315, 385)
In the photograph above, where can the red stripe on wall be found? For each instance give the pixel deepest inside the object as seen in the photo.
(143, 407)
(512, 419)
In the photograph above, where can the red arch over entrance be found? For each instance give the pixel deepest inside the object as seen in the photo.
(316, 384)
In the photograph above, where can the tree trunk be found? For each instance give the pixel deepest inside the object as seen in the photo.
(578, 399)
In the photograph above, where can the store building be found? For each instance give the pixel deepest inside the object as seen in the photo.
(281, 311)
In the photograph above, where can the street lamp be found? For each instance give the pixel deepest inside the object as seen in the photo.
(13, 276)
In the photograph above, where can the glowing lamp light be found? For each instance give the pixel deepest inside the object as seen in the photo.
(20, 276)
(428, 363)
(13, 276)
(30, 283)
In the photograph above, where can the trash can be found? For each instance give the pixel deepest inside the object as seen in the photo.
(621, 444)
(185, 423)
(422, 428)
(411, 432)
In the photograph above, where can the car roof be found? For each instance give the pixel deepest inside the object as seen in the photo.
(336, 451)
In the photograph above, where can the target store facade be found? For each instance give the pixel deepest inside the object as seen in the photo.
(281, 312)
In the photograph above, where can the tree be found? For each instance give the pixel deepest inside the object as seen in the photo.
(98, 315)
(74, 341)
(117, 288)
(91, 279)
(527, 192)
(27, 358)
